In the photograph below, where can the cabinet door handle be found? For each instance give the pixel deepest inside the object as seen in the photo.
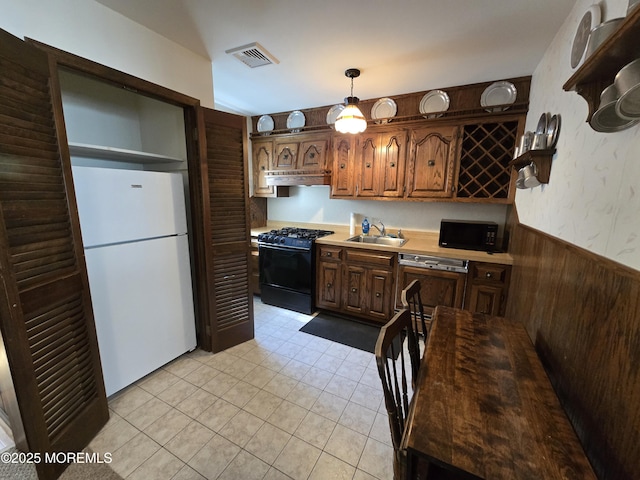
(342, 166)
(368, 165)
(393, 164)
(378, 294)
(431, 163)
(354, 290)
(328, 285)
(488, 275)
(328, 254)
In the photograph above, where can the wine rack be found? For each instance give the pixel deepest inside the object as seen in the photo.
(485, 171)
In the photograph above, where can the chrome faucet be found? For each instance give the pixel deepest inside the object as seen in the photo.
(383, 231)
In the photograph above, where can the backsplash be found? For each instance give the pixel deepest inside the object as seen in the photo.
(593, 196)
(313, 205)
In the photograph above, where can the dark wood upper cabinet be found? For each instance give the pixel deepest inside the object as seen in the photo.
(459, 155)
(342, 176)
(380, 159)
(432, 162)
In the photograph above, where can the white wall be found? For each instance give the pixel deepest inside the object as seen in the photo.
(312, 205)
(91, 30)
(593, 197)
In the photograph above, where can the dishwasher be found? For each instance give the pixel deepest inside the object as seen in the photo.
(442, 280)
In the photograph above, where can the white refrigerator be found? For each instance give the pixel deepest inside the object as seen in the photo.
(134, 232)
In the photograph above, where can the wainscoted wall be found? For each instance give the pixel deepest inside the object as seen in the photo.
(583, 313)
(593, 197)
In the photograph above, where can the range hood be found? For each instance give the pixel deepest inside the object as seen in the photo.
(290, 178)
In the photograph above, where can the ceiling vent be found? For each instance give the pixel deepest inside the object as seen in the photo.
(254, 55)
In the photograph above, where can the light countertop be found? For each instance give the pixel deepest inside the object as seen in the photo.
(418, 242)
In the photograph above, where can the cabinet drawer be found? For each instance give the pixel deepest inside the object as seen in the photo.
(371, 257)
(490, 272)
(330, 253)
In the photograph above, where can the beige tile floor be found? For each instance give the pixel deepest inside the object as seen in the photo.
(283, 405)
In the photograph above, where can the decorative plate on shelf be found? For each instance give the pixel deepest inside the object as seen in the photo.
(553, 131)
(295, 121)
(498, 93)
(383, 110)
(434, 103)
(333, 113)
(265, 124)
(589, 21)
(543, 123)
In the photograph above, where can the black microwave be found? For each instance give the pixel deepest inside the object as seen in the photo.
(468, 235)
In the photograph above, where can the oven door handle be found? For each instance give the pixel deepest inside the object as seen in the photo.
(282, 249)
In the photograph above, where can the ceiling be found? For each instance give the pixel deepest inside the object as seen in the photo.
(400, 46)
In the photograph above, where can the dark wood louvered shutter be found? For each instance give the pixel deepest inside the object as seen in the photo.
(57, 399)
(231, 307)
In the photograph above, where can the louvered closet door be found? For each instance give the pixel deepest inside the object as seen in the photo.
(46, 316)
(231, 305)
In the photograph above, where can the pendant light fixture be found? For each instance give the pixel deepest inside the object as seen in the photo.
(351, 119)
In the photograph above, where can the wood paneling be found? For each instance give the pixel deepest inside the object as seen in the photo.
(583, 313)
(483, 405)
(258, 212)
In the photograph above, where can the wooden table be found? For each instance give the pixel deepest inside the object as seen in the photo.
(484, 405)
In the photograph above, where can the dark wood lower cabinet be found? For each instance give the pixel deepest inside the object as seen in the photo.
(487, 288)
(368, 284)
(354, 294)
(437, 287)
(357, 282)
(329, 278)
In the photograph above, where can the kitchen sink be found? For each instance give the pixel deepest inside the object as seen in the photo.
(378, 240)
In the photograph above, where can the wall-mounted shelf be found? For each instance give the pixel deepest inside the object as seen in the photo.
(465, 107)
(599, 69)
(118, 154)
(542, 160)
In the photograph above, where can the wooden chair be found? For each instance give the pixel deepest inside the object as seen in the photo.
(412, 301)
(398, 364)
(397, 372)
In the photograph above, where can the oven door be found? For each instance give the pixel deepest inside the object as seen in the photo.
(286, 267)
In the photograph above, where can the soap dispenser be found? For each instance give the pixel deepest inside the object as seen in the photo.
(365, 226)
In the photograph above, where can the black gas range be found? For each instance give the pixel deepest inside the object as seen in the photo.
(292, 237)
(287, 267)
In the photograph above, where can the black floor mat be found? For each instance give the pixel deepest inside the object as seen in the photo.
(344, 330)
